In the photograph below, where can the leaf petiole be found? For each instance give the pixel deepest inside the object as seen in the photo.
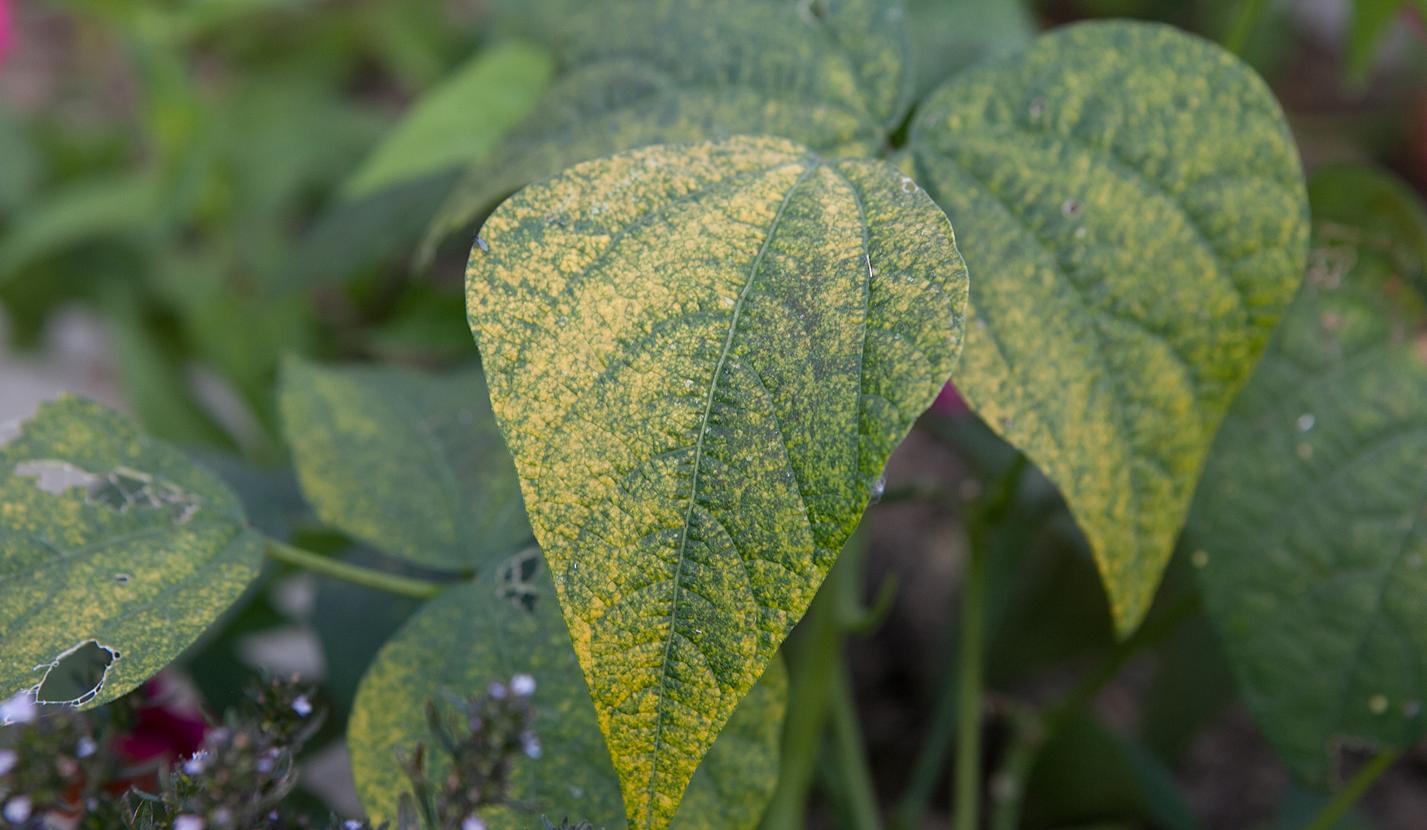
(355, 574)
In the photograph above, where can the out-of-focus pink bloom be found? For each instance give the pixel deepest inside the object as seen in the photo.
(949, 402)
(162, 729)
(6, 29)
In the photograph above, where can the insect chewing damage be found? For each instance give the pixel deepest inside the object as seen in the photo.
(121, 489)
(75, 677)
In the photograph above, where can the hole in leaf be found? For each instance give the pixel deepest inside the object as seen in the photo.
(120, 490)
(76, 676)
(517, 578)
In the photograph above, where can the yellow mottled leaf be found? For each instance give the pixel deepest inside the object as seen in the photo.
(639, 72)
(473, 636)
(701, 357)
(408, 462)
(1132, 201)
(116, 552)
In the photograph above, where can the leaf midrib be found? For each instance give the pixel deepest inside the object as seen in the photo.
(694, 481)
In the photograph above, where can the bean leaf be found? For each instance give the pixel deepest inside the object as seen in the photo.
(1309, 522)
(701, 357)
(476, 635)
(638, 72)
(116, 552)
(409, 462)
(1132, 201)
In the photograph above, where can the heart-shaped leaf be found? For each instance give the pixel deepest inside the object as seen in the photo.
(1309, 522)
(1133, 204)
(409, 462)
(473, 636)
(701, 357)
(116, 552)
(638, 72)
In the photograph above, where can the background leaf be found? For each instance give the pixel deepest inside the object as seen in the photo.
(408, 462)
(1133, 203)
(472, 636)
(701, 357)
(110, 537)
(639, 72)
(1308, 521)
(461, 120)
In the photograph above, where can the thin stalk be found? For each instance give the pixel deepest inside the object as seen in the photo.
(854, 779)
(1031, 730)
(966, 785)
(1356, 787)
(355, 574)
(1250, 13)
(814, 654)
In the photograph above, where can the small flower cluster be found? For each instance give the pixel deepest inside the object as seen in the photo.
(480, 745)
(60, 783)
(242, 772)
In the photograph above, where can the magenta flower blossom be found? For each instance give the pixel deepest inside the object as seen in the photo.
(6, 30)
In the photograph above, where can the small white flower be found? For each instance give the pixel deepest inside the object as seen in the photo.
(523, 685)
(473, 823)
(17, 809)
(8, 759)
(497, 691)
(187, 822)
(19, 709)
(352, 824)
(302, 706)
(196, 764)
(531, 745)
(86, 747)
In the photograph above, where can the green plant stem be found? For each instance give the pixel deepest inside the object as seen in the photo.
(850, 759)
(1250, 13)
(814, 654)
(1357, 786)
(1031, 730)
(355, 574)
(966, 786)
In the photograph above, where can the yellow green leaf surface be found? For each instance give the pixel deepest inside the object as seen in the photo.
(638, 72)
(473, 636)
(1132, 204)
(459, 121)
(1308, 528)
(701, 357)
(112, 543)
(409, 462)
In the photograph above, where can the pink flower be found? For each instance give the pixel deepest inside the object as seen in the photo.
(6, 30)
(949, 402)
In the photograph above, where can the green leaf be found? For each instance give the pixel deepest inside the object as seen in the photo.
(1308, 523)
(460, 121)
(701, 357)
(1370, 20)
(472, 636)
(642, 72)
(1133, 201)
(408, 462)
(950, 35)
(109, 542)
(1374, 203)
(97, 207)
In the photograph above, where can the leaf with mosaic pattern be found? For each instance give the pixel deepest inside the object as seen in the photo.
(701, 357)
(1132, 203)
(472, 636)
(639, 72)
(409, 462)
(112, 546)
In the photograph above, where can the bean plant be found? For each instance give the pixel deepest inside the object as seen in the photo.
(723, 254)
